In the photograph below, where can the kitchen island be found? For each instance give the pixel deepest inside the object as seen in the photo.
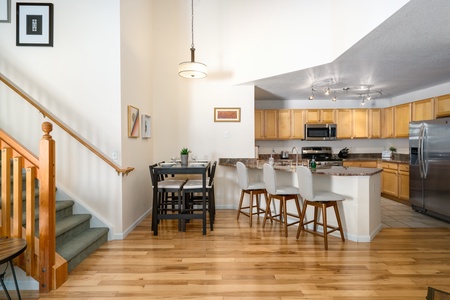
(361, 209)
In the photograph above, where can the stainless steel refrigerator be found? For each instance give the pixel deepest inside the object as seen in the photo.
(429, 172)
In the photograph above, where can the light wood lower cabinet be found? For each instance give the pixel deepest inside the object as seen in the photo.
(395, 180)
(403, 181)
(360, 163)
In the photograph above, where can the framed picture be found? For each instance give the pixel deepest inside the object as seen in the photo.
(146, 132)
(227, 114)
(34, 24)
(5, 11)
(133, 122)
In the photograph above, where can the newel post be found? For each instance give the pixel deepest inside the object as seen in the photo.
(47, 218)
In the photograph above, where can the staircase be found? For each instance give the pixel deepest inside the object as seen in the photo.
(75, 239)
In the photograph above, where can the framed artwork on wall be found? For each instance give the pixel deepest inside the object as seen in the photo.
(133, 122)
(146, 127)
(34, 24)
(229, 114)
(5, 11)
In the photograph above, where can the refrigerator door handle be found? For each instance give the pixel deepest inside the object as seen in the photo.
(420, 151)
(425, 152)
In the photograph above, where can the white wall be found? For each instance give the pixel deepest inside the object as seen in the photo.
(136, 82)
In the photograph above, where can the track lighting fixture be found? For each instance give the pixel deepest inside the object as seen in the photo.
(334, 97)
(312, 95)
(332, 88)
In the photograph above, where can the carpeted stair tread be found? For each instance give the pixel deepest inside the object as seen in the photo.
(81, 242)
(70, 222)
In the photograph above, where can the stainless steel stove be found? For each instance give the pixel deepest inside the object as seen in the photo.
(322, 155)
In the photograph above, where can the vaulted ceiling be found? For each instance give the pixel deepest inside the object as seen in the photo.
(408, 52)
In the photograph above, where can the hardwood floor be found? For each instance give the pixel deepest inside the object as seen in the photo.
(236, 261)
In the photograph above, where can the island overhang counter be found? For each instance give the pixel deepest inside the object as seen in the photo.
(361, 187)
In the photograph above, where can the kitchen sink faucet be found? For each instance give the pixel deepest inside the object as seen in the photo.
(296, 155)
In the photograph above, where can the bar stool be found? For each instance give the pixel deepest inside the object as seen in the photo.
(282, 193)
(319, 200)
(253, 189)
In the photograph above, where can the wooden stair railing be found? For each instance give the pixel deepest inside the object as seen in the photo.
(63, 126)
(39, 261)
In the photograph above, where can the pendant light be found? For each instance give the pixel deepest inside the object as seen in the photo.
(192, 69)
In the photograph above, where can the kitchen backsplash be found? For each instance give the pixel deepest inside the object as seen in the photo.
(356, 146)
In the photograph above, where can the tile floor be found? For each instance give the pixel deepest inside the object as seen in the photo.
(398, 215)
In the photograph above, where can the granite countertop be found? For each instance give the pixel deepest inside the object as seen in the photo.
(347, 171)
(398, 157)
(289, 166)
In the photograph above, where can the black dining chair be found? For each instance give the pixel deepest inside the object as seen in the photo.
(169, 193)
(193, 198)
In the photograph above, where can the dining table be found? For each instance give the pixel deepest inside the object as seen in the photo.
(199, 168)
(10, 248)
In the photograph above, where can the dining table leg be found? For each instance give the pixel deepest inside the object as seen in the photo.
(155, 209)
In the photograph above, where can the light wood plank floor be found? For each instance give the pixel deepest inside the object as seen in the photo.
(238, 262)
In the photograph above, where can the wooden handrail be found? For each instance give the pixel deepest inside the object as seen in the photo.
(63, 126)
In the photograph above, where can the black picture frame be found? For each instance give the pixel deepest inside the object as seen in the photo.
(34, 24)
(5, 11)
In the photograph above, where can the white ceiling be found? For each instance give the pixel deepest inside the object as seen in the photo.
(408, 52)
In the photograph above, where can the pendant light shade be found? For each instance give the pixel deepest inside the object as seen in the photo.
(192, 69)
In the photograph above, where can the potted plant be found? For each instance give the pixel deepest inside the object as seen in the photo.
(184, 154)
(393, 150)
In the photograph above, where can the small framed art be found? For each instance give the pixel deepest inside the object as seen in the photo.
(222, 114)
(133, 122)
(5, 11)
(146, 129)
(34, 24)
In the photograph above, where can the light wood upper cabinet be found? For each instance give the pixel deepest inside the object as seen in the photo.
(422, 110)
(402, 117)
(360, 123)
(270, 124)
(284, 124)
(266, 124)
(344, 123)
(387, 126)
(374, 123)
(298, 126)
(443, 106)
(320, 116)
(259, 124)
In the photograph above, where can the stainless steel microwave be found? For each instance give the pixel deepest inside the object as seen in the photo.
(320, 132)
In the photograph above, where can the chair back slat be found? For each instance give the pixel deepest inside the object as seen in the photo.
(305, 183)
(242, 173)
(212, 174)
(270, 179)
